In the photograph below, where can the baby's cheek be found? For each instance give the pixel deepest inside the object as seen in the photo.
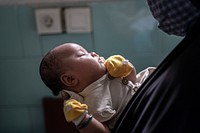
(103, 59)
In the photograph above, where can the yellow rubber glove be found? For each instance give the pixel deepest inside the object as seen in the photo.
(118, 67)
(73, 109)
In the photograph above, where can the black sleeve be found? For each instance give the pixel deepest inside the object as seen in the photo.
(169, 100)
(196, 3)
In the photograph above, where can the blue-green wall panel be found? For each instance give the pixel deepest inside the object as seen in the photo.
(14, 120)
(125, 28)
(37, 119)
(29, 37)
(10, 33)
(51, 41)
(169, 43)
(20, 82)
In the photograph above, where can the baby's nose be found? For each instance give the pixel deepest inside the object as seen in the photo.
(93, 54)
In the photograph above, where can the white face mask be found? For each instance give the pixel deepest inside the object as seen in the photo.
(174, 16)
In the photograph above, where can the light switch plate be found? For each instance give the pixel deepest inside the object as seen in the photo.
(78, 20)
(49, 21)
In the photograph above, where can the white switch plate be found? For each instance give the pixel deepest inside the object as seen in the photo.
(49, 20)
(78, 20)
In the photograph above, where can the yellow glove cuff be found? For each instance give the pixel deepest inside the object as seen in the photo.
(118, 67)
(73, 109)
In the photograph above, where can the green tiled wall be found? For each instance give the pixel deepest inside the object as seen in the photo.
(125, 28)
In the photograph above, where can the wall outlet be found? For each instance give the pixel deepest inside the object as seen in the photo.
(49, 21)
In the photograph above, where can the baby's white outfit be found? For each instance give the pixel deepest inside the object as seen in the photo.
(106, 98)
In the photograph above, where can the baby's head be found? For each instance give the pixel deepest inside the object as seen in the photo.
(70, 67)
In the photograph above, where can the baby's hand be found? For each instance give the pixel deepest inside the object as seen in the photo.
(118, 67)
(74, 111)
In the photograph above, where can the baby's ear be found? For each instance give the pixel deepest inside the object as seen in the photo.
(68, 80)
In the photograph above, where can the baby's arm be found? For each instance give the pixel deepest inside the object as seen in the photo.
(94, 127)
(132, 76)
(77, 113)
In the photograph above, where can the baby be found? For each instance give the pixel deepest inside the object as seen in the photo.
(87, 78)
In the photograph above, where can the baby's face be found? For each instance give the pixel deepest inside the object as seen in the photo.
(87, 66)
